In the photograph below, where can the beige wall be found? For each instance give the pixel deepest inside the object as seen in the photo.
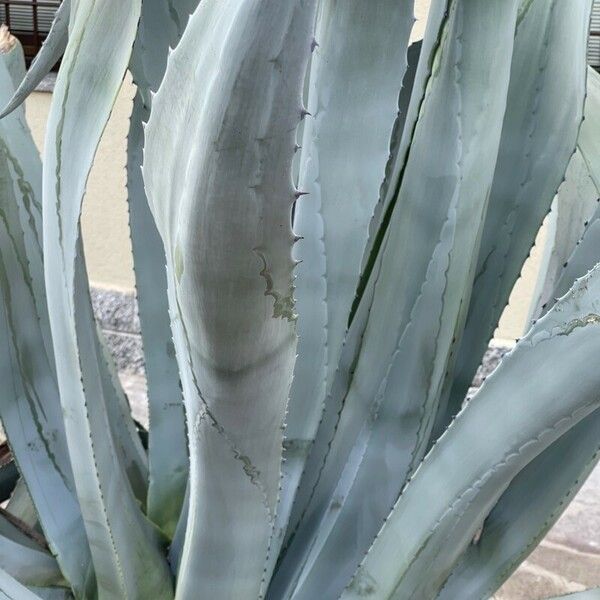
(105, 231)
(104, 222)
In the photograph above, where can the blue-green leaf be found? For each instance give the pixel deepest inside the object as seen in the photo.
(419, 290)
(544, 112)
(532, 399)
(11, 589)
(52, 49)
(160, 28)
(125, 551)
(359, 47)
(30, 407)
(30, 566)
(217, 168)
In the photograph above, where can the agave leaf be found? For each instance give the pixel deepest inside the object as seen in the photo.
(230, 105)
(571, 212)
(167, 450)
(420, 287)
(584, 257)
(26, 171)
(125, 552)
(402, 139)
(537, 497)
(176, 548)
(330, 415)
(161, 26)
(575, 203)
(11, 589)
(359, 48)
(28, 565)
(30, 407)
(544, 111)
(160, 29)
(578, 246)
(589, 141)
(17, 531)
(52, 49)
(527, 510)
(496, 435)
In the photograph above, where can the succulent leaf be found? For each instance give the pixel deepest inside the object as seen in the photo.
(544, 112)
(572, 211)
(29, 565)
(230, 102)
(10, 589)
(525, 512)
(30, 407)
(589, 141)
(490, 442)
(536, 498)
(160, 29)
(359, 47)
(52, 49)
(388, 400)
(125, 551)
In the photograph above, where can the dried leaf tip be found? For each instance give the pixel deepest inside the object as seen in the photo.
(7, 40)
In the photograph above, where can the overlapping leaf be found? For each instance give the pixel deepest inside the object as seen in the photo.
(217, 169)
(544, 111)
(419, 292)
(491, 441)
(30, 406)
(359, 47)
(126, 554)
(160, 29)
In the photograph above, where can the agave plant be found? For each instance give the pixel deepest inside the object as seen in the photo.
(342, 217)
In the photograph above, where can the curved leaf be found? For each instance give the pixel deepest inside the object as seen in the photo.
(589, 140)
(532, 399)
(126, 554)
(20, 505)
(160, 28)
(11, 589)
(229, 105)
(30, 407)
(544, 112)
(52, 49)
(352, 341)
(167, 450)
(360, 47)
(28, 565)
(401, 141)
(536, 498)
(533, 502)
(571, 211)
(419, 291)
(17, 531)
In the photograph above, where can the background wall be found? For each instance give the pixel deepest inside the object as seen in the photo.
(104, 222)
